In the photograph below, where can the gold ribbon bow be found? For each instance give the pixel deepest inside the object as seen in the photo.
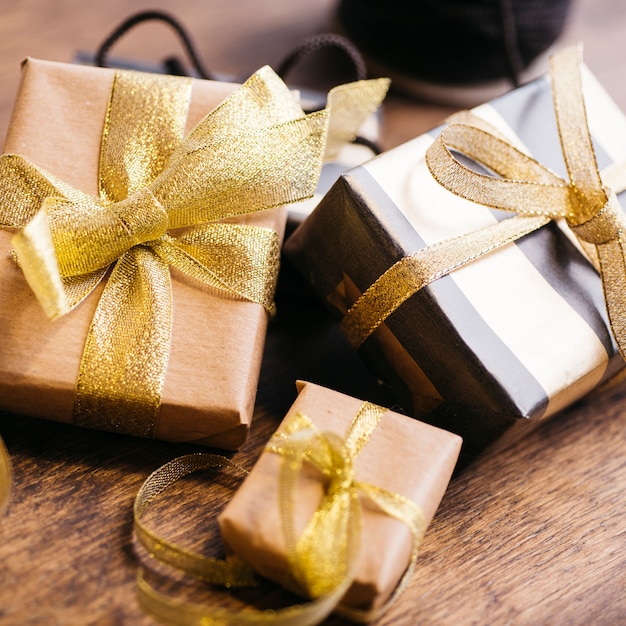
(322, 559)
(254, 151)
(587, 201)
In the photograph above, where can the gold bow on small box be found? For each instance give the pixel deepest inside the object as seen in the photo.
(587, 201)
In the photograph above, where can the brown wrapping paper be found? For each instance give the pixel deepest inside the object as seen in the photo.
(403, 455)
(217, 342)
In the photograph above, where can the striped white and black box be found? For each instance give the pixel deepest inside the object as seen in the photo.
(502, 343)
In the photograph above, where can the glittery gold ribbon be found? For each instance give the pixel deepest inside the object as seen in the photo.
(255, 151)
(322, 560)
(350, 105)
(586, 201)
(5, 477)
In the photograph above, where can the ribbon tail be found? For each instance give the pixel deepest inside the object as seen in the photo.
(37, 259)
(239, 259)
(230, 573)
(325, 553)
(179, 613)
(5, 478)
(36, 254)
(350, 105)
(612, 258)
(123, 366)
(407, 512)
(413, 272)
(327, 550)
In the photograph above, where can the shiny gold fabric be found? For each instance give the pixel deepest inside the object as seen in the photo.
(526, 187)
(350, 106)
(5, 478)
(322, 560)
(229, 573)
(255, 151)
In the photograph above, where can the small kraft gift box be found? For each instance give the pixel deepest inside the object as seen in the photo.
(478, 321)
(144, 215)
(295, 521)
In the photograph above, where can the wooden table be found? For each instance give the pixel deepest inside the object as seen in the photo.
(534, 535)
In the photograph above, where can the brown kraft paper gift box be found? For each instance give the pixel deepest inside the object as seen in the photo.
(493, 348)
(217, 341)
(403, 455)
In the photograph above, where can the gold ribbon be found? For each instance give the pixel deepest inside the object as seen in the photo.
(229, 573)
(255, 151)
(5, 478)
(322, 559)
(587, 201)
(350, 105)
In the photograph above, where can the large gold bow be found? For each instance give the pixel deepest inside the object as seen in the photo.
(587, 201)
(256, 150)
(322, 560)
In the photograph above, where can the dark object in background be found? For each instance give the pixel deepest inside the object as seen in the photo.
(454, 51)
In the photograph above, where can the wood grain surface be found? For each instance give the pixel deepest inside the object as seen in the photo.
(531, 535)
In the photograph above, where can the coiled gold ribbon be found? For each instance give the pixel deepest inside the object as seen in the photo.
(587, 201)
(256, 150)
(322, 559)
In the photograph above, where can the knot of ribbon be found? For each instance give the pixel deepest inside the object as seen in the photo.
(322, 558)
(587, 202)
(163, 203)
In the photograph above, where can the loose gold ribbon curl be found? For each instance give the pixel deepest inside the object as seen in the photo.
(527, 188)
(229, 573)
(322, 560)
(255, 151)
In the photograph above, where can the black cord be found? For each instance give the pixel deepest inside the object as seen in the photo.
(173, 65)
(144, 16)
(368, 143)
(321, 42)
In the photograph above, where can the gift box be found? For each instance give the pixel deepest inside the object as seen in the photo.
(253, 521)
(506, 333)
(217, 336)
